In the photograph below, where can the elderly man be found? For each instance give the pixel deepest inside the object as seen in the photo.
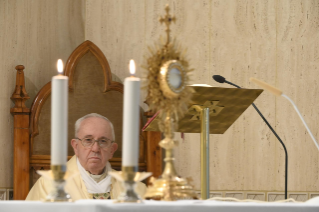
(93, 146)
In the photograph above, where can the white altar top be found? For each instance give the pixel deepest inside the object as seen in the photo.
(185, 205)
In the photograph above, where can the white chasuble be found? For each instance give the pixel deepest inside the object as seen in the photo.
(78, 188)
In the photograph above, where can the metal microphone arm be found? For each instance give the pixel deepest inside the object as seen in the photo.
(283, 145)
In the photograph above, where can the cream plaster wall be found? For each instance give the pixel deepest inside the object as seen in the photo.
(275, 41)
(35, 34)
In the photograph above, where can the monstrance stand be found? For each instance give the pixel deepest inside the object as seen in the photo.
(167, 93)
(212, 111)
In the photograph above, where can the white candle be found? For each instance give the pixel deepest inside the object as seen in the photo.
(131, 118)
(59, 117)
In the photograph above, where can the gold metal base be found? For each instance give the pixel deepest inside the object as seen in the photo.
(129, 177)
(170, 189)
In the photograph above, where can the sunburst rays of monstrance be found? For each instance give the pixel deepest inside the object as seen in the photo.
(167, 78)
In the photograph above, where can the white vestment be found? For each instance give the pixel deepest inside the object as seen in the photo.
(76, 186)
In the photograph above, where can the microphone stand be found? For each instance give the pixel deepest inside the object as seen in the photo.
(283, 145)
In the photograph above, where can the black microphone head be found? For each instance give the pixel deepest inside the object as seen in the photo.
(219, 78)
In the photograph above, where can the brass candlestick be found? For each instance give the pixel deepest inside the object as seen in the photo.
(57, 174)
(129, 176)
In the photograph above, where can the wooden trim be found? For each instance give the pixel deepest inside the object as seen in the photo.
(20, 95)
(45, 159)
(48, 157)
(76, 56)
(116, 86)
(48, 162)
(20, 138)
(36, 107)
(38, 162)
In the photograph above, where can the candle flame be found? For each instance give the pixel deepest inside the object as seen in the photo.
(60, 66)
(132, 67)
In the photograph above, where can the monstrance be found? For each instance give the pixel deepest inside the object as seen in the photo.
(167, 93)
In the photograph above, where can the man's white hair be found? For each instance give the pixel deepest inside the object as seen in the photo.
(79, 121)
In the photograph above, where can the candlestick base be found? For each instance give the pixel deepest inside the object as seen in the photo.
(58, 175)
(58, 193)
(129, 177)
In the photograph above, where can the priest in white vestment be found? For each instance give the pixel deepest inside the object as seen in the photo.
(93, 146)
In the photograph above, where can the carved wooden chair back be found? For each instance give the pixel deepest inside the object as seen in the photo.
(91, 90)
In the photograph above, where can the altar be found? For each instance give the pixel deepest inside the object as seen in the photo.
(182, 205)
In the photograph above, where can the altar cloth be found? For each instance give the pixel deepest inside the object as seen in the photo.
(156, 206)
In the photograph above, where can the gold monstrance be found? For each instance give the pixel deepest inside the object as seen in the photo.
(167, 93)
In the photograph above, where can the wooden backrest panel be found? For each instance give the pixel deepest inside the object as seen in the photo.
(87, 96)
(91, 90)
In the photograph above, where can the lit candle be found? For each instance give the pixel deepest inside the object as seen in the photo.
(59, 117)
(131, 118)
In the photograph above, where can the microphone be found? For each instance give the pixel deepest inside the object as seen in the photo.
(221, 79)
(278, 92)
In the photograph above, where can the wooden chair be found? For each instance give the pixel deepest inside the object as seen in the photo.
(91, 90)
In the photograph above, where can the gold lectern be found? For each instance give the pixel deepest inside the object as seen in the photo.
(213, 111)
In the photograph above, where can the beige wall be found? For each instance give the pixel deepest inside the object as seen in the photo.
(34, 34)
(275, 41)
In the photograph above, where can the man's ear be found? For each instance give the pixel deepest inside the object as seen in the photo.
(74, 144)
(114, 148)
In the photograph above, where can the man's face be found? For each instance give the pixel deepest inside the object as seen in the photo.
(93, 159)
